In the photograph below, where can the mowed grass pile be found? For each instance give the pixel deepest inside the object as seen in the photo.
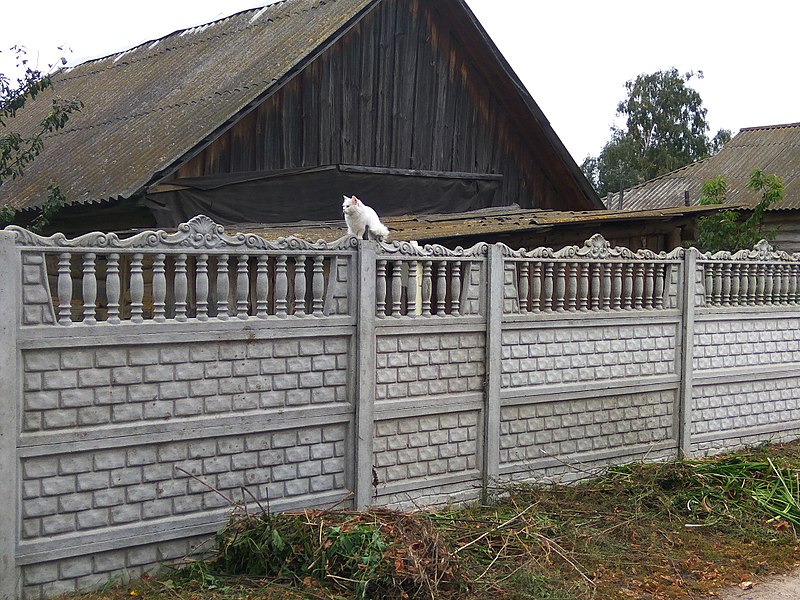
(663, 530)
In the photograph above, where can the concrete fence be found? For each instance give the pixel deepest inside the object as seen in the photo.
(142, 376)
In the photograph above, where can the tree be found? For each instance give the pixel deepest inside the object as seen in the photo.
(18, 150)
(665, 129)
(727, 229)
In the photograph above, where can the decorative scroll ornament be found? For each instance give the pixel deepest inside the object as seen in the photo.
(413, 249)
(762, 251)
(199, 233)
(596, 247)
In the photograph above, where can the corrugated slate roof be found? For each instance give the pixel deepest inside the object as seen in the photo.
(135, 121)
(773, 149)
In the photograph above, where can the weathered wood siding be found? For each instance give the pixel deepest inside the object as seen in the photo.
(396, 91)
(785, 226)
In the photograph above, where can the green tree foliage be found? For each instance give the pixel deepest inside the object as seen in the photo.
(665, 129)
(728, 229)
(18, 150)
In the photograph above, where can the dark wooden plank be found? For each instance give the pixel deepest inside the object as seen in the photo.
(217, 155)
(383, 137)
(272, 136)
(454, 92)
(483, 134)
(310, 83)
(243, 144)
(350, 61)
(425, 99)
(405, 85)
(325, 109)
(460, 108)
(259, 159)
(471, 133)
(442, 129)
(368, 90)
(399, 83)
(292, 124)
(335, 91)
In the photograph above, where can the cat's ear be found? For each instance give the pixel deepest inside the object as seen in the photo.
(346, 199)
(355, 200)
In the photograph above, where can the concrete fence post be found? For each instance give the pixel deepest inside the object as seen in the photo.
(491, 406)
(365, 374)
(687, 286)
(10, 310)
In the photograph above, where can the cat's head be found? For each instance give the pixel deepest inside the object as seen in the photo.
(350, 204)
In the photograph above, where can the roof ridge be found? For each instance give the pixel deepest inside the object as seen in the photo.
(188, 44)
(779, 126)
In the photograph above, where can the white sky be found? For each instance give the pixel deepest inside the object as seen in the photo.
(574, 56)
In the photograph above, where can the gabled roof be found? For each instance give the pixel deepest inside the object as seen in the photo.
(151, 107)
(773, 149)
(148, 106)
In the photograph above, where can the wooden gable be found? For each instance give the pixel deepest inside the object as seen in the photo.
(403, 89)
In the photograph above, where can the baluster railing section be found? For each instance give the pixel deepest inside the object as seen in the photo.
(758, 277)
(594, 277)
(429, 281)
(197, 273)
(201, 273)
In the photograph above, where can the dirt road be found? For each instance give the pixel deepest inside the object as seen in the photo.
(779, 587)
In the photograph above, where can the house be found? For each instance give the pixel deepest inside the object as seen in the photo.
(271, 114)
(773, 149)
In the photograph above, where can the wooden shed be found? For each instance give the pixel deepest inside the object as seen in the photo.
(271, 114)
(771, 148)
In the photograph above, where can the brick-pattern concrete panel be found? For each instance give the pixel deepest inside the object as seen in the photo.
(536, 357)
(37, 306)
(86, 491)
(453, 494)
(425, 447)
(428, 365)
(747, 404)
(746, 342)
(87, 387)
(510, 291)
(44, 580)
(710, 447)
(571, 469)
(546, 429)
(471, 302)
(339, 303)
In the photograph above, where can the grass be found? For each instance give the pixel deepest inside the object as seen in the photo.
(663, 531)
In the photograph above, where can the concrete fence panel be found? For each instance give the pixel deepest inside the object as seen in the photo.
(150, 382)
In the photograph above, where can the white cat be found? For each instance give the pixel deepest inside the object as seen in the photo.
(361, 219)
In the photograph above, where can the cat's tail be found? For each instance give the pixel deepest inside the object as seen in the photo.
(381, 233)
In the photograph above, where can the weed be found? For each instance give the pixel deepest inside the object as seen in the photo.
(670, 530)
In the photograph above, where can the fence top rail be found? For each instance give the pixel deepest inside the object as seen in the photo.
(199, 234)
(594, 249)
(202, 235)
(762, 252)
(401, 250)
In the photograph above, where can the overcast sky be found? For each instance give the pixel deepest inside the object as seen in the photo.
(574, 56)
